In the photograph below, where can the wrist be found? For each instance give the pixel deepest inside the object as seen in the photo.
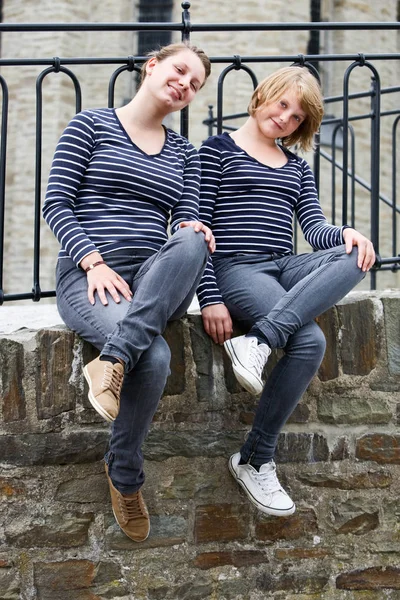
(90, 259)
(93, 265)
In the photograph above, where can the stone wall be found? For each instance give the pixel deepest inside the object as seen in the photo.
(339, 458)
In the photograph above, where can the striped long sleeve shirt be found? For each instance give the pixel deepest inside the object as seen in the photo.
(250, 206)
(105, 194)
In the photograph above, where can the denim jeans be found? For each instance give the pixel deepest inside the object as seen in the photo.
(163, 285)
(279, 298)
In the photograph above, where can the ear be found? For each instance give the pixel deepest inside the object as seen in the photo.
(151, 63)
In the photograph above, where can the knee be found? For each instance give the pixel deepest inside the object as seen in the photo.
(308, 342)
(158, 357)
(193, 243)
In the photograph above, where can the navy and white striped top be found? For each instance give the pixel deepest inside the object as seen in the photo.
(250, 206)
(106, 194)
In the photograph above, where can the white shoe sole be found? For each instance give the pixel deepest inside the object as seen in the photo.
(97, 407)
(261, 507)
(246, 379)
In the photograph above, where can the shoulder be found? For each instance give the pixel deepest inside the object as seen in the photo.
(179, 143)
(93, 118)
(221, 142)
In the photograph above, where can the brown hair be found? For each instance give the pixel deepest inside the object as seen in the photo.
(310, 98)
(170, 50)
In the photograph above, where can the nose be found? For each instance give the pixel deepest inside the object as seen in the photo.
(283, 117)
(184, 81)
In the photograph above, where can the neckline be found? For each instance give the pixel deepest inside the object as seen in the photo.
(134, 144)
(226, 133)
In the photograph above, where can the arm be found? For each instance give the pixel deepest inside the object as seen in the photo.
(70, 162)
(320, 234)
(71, 159)
(216, 318)
(186, 212)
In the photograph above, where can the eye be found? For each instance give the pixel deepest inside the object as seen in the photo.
(194, 87)
(283, 104)
(178, 69)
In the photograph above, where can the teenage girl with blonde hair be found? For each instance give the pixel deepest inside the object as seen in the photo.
(252, 187)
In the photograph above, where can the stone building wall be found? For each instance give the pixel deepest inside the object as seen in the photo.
(59, 105)
(339, 458)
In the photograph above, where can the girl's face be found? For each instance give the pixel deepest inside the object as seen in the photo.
(175, 80)
(280, 118)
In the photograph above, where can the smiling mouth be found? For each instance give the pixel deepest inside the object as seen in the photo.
(277, 124)
(177, 92)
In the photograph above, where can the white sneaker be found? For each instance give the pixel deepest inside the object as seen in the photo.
(248, 361)
(262, 487)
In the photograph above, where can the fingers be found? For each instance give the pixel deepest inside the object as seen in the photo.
(102, 280)
(199, 226)
(366, 253)
(217, 323)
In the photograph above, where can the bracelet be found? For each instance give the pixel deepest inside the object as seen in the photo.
(90, 267)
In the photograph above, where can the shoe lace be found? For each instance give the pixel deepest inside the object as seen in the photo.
(132, 506)
(268, 480)
(258, 357)
(112, 380)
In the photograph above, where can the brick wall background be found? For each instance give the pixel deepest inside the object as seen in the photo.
(59, 104)
(339, 458)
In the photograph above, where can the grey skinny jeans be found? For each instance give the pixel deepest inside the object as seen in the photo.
(279, 297)
(163, 285)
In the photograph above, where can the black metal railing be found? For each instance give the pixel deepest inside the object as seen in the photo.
(343, 125)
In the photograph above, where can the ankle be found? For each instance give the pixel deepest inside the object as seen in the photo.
(112, 359)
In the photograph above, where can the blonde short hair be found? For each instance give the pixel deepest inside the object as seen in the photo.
(170, 50)
(310, 98)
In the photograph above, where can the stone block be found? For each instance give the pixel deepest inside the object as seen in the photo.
(391, 308)
(236, 558)
(329, 324)
(360, 525)
(11, 488)
(54, 392)
(67, 575)
(221, 523)
(202, 347)
(54, 531)
(191, 590)
(194, 482)
(301, 414)
(301, 447)
(302, 524)
(53, 448)
(360, 337)
(296, 583)
(79, 580)
(340, 450)
(12, 390)
(175, 339)
(357, 516)
(373, 578)
(354, 410)
(302, 553)
(166, 530)
(9, 583)
(161, 445)
(348, 481)
(381, 448)
(92, 488)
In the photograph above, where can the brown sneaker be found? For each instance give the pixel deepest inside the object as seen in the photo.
(105, 382)
(130, 512)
